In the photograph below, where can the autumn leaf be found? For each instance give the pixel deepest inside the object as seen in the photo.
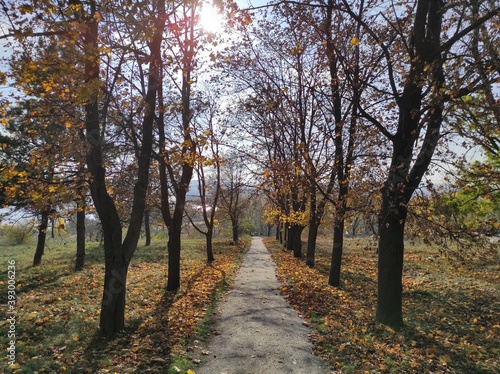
(354, 42)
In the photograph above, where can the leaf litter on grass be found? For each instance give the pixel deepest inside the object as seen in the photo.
(451, 313)
(57, 324)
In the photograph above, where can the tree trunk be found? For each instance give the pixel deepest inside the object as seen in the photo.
(80, 236)
(174, 257)
(311, 242)
(390, 261)
(314, 223)
(42, 235)
(112, 317)
(355, 225)
(235, 226)
(297, 246)
(147, 228)
(338, 233)
(294, 242)
(338, 247)
(288, 238)
(210, 252)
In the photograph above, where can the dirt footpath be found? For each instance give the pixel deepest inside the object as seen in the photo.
(256, 331)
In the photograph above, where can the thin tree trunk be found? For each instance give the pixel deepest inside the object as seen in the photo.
(297, 246)
(210, 252)
(338, 247)
(314, 223)
(42, 235)
(80, 236)
(338, 233)
(355, 227)
(311, 242)
(235, 228)
(289, 238)
(147, 228)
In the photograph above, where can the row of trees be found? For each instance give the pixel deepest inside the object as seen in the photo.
(113, 88)
(348, 103)
(327, 104)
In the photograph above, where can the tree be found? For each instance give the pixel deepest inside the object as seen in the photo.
(286, 115)
(338, 60)
(118, 254)
(34, 175)
(232, 192)
(177, 162)
(420, 103)
(209, 181)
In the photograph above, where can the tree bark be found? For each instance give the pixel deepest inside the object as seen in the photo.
(112, 318)
(338, 230)
(314, 222)
(294, 242)
(42, 235)
(147, 228)
(235, 230)
(210, 252)
(174, 257)
(338, 248)
(390, 260)
(311, 242)
(80, 236)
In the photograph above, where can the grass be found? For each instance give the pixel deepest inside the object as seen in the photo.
(58, 309)
(451, 311)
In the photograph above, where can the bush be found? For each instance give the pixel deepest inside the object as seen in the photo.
(14, 234)
(245, 226)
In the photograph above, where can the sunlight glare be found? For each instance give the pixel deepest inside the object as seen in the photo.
(210, 18)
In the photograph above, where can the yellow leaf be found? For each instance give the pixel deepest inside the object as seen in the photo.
(190, 372)
(445, 359)
(354, 42)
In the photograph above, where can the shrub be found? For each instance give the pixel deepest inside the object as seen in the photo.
(15, 234)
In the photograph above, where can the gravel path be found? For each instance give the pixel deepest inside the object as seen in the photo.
(256, 330)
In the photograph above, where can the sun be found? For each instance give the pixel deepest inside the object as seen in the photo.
(210, 19)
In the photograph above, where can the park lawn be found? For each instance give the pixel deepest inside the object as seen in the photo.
(58, 309)
(451, 311)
